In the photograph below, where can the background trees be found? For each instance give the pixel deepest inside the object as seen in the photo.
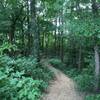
(64, 29)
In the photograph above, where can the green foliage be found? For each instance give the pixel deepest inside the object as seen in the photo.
(71, 72)
(56, 63)
(84, 78)
(31, 68)
(8, 47)
(55, 19)
(19, 79)
(84, 82)
(93, 97)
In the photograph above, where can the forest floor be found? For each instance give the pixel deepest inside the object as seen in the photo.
(62, 88)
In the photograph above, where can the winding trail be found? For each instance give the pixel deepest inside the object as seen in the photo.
(62, 88)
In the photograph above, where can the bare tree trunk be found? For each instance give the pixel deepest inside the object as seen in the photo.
(43, 42)
(62, 48)
(79, 59)
(23, 38)
(97, 68)
(62, 37)
(30, 38)
(35, 30)
(96, 49)
(47, 44)
(11, 33)
(11, 36)
(55, 37)
(59, 38)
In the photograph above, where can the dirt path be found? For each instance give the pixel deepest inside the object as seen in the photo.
(63, 88)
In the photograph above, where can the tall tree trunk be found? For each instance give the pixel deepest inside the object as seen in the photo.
(29, 44)
(79, 58)
(47, 44)
(55, 37)
(62, 48)
(97, 67)
(97, 62)
(23, 41)
(62, 38)
(35, 30)
(11, 37)
(43, 42)
(11, 32)
(59, 38)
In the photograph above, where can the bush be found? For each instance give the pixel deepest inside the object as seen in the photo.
(31, 68)
(84, 78)
(71, 72)
(22, 79)
(7, 47)
(20, 88)
(84, 82)
(56, 63)
(93, 97)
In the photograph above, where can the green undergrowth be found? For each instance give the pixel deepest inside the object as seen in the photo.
(93, 97)
(84, 79)
(22, 78)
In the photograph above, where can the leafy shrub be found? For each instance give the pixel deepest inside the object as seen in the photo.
(71, 72)
(20, 88)
(88, 70)
(93, 97)
(22, 79)
(8, 47)
(84, 82)
(84, 79)
(56, 63)
(31, 68)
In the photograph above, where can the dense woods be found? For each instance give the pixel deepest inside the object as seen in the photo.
(67, 32)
